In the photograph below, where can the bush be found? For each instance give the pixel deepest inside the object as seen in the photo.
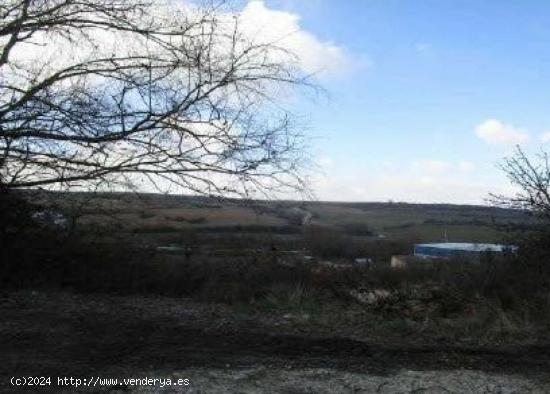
(244, 281)
(328, 242)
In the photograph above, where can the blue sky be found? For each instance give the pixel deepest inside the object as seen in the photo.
(425, 96)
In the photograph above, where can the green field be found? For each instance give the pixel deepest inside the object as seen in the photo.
(169, 214)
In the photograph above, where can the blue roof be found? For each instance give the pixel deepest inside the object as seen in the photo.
(466, 247)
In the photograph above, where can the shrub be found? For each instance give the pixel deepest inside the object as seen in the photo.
(326, 242)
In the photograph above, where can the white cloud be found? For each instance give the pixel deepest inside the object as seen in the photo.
(545, 137)
(427, 180)
(404, 187)
(495, 132)
(283, 27)
(256, 22)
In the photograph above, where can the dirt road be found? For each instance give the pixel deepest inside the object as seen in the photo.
(60, 334)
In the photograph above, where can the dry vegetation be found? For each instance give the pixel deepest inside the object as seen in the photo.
(253, 257)
(245, 294)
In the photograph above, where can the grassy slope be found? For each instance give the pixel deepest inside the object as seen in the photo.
(420, 222)
(417, 222)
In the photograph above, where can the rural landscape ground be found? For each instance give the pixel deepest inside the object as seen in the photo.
(266, 297)
(146, 151)
(220, 350)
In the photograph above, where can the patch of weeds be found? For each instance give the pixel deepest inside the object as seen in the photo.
(292, 298)
(511, 324)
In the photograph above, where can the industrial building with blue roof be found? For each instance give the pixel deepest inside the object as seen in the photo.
(452, 249)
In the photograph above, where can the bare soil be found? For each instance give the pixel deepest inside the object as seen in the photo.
(62, 334)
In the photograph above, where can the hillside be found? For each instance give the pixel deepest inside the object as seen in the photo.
(158, 213)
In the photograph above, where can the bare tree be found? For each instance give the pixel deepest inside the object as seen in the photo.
(141, 91)
(532, 179)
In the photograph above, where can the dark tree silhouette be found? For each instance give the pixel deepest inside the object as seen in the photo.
(135, 91)
(531, 176)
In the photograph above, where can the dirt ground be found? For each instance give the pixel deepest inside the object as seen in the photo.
(47, 334)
